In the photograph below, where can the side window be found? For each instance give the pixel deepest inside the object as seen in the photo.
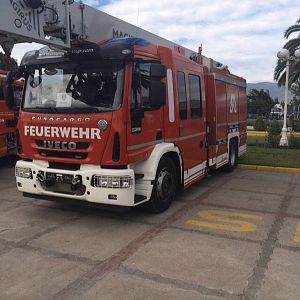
(181, 96)
(140, 86)
(195, 96)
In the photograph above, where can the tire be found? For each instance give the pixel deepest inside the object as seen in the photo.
(164, 186)
(233, 157)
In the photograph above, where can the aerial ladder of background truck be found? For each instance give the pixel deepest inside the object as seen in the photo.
(113, 114)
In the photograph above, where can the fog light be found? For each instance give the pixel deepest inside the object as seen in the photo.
(23, 172)
(125, 182)
(112, 182)
(102, 181)
(115, 182)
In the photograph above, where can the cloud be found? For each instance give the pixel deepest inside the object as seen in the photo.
(245, 35)
(20, 49)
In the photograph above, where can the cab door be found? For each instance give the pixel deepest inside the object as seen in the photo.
(145, 126)
(192, 123)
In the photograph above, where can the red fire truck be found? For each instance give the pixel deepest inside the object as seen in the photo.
(8, 117)
(127, 121)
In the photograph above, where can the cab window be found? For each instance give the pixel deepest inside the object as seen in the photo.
(182, 102)
(140, 86)
(195, 96)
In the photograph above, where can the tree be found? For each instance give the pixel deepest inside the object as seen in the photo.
(260, 102)
(295, 90)
(292, 45)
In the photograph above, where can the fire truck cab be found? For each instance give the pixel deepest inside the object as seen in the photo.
(125, 122)
(8, 116)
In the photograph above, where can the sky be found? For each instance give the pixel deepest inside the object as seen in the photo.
(243, 34)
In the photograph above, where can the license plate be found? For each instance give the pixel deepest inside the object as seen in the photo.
(65, 178)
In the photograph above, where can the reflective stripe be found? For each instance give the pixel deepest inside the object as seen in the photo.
(182, 138)
(6, 114)
(197, 176)
(170, 96)
(222, 159)
(139, 146)
(194, 172)
(229, 124)
(222, 124)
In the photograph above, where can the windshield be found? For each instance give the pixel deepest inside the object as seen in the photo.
(74, 87)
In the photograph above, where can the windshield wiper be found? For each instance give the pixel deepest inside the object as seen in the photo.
(85, 109)
(47, 109)
(89, 109)
(61, 110)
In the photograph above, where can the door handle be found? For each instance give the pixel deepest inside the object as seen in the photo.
(158, 135)
(180, 130)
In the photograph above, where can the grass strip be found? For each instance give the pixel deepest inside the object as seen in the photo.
(279, 157)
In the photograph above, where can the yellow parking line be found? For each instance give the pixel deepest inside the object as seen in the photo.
(264, 133)
(297, 234)
(219, 217)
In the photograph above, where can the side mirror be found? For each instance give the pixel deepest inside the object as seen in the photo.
(9, 89)
(157, 93)
(158, 71)
(9, 93)
(9, 96)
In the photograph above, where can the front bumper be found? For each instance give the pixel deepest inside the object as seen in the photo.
(90, 193)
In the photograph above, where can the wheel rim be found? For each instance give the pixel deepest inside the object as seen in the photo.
(165, 185)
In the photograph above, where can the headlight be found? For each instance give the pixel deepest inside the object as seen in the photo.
(23, 172)
(115, 182)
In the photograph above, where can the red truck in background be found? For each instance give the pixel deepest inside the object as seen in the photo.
(125, 122)
(8, 117)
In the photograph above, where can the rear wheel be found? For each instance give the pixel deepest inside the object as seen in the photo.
(233, 156)
(164, 186)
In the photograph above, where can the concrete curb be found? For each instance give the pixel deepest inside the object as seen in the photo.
(269, 169)
(264, 133)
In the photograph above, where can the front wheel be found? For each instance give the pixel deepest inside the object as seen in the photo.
(164, 186)
(233, 156)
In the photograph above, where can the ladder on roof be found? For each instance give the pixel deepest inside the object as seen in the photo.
(57, 23)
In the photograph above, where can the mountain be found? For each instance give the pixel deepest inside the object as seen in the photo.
(274, 90)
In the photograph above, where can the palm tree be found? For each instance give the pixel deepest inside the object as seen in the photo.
(292, 45)
(259, 102)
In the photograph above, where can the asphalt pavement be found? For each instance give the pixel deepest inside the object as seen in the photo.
(231, 236)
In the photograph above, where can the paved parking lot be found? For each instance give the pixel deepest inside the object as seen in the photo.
(232, 236)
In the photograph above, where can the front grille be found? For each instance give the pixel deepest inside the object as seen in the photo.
(79, 145)
(62, 154)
